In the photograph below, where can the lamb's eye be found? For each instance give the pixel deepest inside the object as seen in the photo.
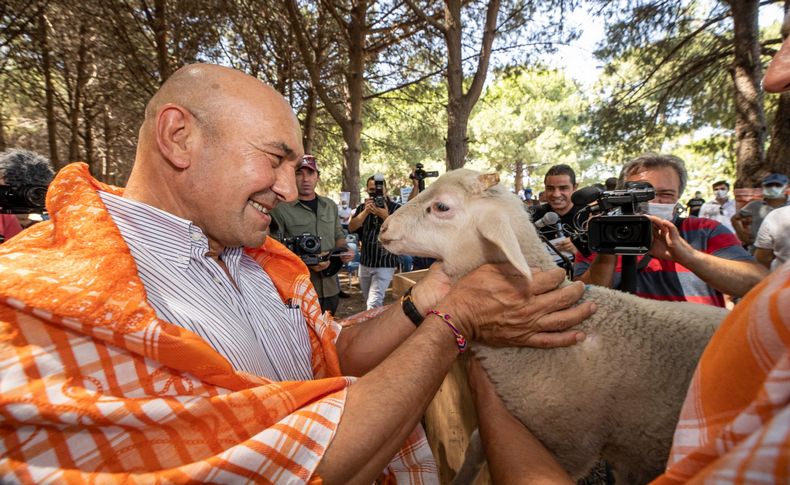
(442, 207)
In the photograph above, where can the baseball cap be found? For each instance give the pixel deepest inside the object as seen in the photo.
(775, 178)
(308, 161)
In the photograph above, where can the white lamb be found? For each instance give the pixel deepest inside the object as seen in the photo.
(615, 396)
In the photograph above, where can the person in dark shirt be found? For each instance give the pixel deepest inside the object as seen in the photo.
(560, 182)
(694, 204)
(377, 265)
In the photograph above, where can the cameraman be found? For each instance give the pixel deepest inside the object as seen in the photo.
(19, 168)
(318, 216)
(377, 265)
(690, 259)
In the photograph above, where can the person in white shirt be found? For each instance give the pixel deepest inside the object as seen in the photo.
(772, 246)
(721, 208)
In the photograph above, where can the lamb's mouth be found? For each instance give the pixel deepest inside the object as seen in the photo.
(387, 243)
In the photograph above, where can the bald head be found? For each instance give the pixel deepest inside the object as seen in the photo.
(210, 92)
(219, 148)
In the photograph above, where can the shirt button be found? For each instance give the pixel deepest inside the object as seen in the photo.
(183, 259)
(216, 280)
(195, 236)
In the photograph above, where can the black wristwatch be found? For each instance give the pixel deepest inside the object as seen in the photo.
(410, 310)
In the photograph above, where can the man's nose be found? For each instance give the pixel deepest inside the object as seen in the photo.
(285, 184)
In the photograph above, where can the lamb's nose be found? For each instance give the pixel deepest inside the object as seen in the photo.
(383, 228)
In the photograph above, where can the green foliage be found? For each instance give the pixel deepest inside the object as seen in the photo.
(530, 118)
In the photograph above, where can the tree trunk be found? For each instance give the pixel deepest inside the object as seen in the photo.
(747, 74)
(103, 173)
(88, 142)
(778, 157)
(457, 117)
(308, 130)
(2, 131)
(49, 91)
(355, 81)
(457, 144)
(160, 33)
(460, 104)
(79, 85)
(519, 169)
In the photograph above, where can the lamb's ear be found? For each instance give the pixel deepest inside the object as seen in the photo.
(488, 180)
(494, 226)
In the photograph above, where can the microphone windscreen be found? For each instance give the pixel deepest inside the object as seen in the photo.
(548, 219)
(585, 195)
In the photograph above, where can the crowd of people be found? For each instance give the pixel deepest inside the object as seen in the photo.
(157, 333)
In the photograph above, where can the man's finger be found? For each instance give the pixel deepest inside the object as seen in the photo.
(543, 281)
(557, 300)
(565, 319)
(548, 340)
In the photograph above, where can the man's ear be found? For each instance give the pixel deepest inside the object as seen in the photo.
(175, 127)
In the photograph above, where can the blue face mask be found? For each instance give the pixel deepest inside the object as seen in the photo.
(774, 192)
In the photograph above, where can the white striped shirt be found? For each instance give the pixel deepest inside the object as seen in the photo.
(250, 326)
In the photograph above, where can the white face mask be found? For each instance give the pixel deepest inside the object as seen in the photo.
(664, 211)
(774, 192)
(721, 193)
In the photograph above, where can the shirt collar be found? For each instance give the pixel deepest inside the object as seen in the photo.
(168, 236)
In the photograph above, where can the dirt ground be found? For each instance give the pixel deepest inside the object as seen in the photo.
(354, 304)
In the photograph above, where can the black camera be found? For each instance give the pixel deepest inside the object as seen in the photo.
(22, 198)
(618, 230)
(378, 194)
(306, 246)
(420, 174)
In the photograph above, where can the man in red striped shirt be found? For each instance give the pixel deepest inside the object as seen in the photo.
(690, 259)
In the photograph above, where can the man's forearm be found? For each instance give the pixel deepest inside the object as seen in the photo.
(601, 271)
(363, 346)
(730, 277)
(356, 222)
(764, 256)
(383, 407)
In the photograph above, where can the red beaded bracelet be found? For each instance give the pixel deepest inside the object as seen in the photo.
(459, 339)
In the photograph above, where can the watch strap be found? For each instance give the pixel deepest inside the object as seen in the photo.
(410, 309)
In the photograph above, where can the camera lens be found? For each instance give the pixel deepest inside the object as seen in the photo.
(310, 244)
(620, 233)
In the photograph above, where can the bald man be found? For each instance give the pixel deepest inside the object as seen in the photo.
(156, 334)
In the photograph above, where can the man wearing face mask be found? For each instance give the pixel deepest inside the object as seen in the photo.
(691, 259)
(748, 220)
(721, 208)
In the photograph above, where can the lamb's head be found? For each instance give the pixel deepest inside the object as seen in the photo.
(466, 219)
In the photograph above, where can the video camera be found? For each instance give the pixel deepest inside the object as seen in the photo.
(378, 194)
(420, 174)
(22, 199)
(619, 230)
(306, 246)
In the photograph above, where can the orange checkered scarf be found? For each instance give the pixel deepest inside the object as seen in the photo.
(735, 422)
(94, 387)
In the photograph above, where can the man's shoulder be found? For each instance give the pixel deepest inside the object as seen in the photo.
(696, 223)
(284, 207)
(754, 205)
(326, 201)
(779, 215)
(541, 211)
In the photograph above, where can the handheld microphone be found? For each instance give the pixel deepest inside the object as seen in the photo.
(548, 219)
(586, 195)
